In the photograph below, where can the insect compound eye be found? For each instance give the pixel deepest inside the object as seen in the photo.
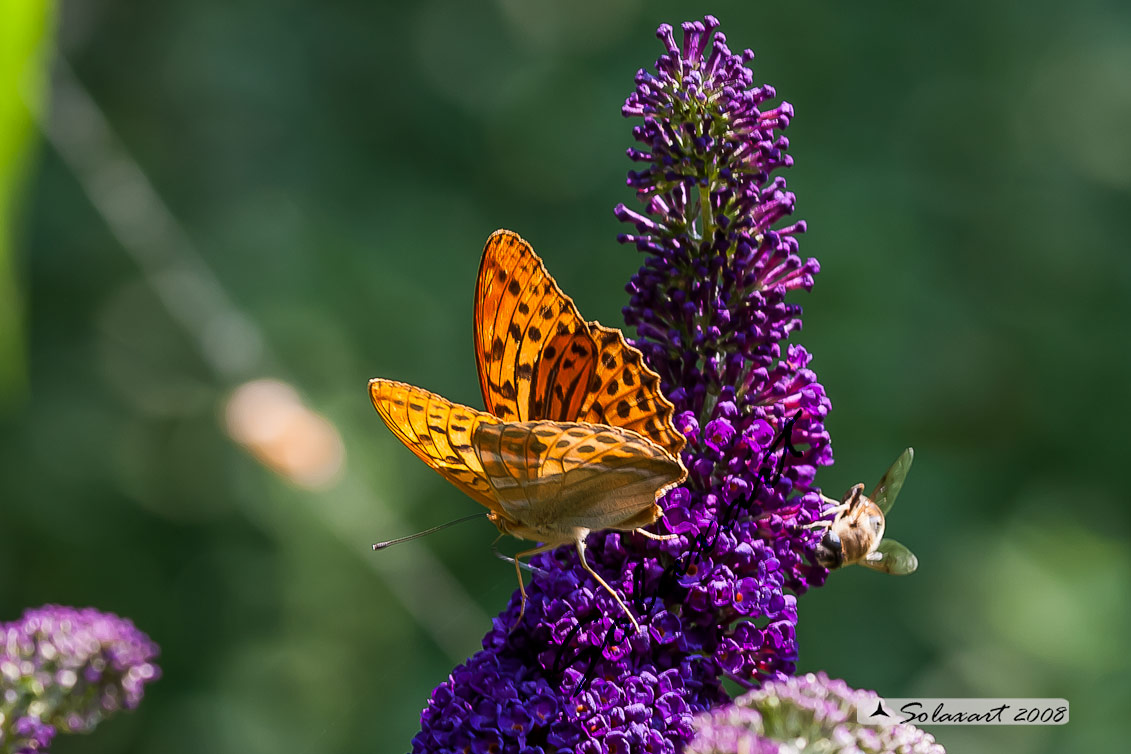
(829, 552)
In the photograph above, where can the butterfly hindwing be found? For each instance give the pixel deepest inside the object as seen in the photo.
(624, 392)
(438, 431)
(557, 475)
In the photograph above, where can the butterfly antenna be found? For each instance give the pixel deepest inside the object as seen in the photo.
(426, 532)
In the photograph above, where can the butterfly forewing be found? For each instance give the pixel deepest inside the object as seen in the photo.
(892, 481)
(538, 359)
(533, 349)
(438, 431)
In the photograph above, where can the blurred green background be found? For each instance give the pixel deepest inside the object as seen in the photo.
(215, 192)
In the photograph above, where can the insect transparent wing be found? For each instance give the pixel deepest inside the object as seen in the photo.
(888, 489)
(891, 557)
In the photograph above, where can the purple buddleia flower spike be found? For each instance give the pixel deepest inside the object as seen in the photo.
(65, 669)
(808, 713)
(719, 600)
(709, 303)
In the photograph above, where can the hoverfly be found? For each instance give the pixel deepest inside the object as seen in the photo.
(856, 533)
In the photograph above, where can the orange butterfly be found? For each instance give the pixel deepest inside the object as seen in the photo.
(578, 438)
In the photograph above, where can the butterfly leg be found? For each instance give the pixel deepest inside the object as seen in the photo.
(658, 537)
(509, 559)
(518, 572)
(601, 581)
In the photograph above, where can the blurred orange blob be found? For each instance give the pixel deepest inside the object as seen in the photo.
(269, 419)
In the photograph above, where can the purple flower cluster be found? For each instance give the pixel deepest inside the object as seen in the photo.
(733, 729)
(66, 669)
(26, 734)
(719, 600)
(709, 303)
(809, 713)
